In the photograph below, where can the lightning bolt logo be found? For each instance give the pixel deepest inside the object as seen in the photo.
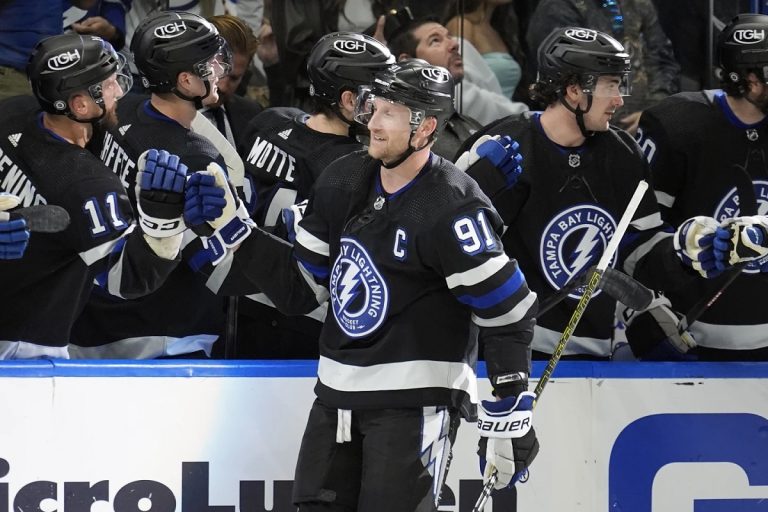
(359, 292)
(572, 240)
(347, 288)
(583, 252)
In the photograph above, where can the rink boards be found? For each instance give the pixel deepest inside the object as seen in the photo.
(224, 436)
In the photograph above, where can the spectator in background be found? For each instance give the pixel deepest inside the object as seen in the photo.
(475, 26)
(655, 73)
(23, 23)
(431, 41)
(106, 19)
(231, 113)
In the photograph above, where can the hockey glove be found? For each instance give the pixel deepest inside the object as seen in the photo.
(507, 440)
(204, 201)
(232, 225)
(502, 155)
(693, 245)
(741, 240)
(160, 193)
(14, 235)
(654, 333)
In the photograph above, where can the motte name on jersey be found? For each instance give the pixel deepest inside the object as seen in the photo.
(268, 158)
(14, 181)
(115, 157)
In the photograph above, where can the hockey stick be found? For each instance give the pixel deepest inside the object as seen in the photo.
(594, 280)
(618, 285)
(44, 218)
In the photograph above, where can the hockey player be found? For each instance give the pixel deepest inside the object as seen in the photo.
(405, 249)
(707, 152)
(77, 81)
(580, 175)
(286, 150)
(181, 58)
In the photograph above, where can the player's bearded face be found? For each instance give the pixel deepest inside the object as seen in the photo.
(390, 130)
(760, 98)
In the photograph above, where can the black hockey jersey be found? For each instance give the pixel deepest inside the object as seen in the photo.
(45, 291)
(561, 215)
(182, 316)
(701, 156)
(409, 277)
(283, 158)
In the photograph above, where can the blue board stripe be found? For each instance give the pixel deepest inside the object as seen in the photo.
(277, 368)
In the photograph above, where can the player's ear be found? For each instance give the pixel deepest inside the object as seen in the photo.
(78, 104)
(347, 101)
(425, 129)
(184, 80)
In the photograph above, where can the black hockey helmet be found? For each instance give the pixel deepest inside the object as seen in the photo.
(426, 89)
(344, 61)
(64, 64)
(584, 52)
(743, 47)
(170, 42)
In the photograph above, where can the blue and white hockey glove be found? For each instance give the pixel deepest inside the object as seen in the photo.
(160, 193)
(14, 235)
(507, 439)
(494, 162)
(741, 240)
(232, 225)
(693, 243)
(204, 201)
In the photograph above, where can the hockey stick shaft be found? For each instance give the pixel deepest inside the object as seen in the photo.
(594, 280)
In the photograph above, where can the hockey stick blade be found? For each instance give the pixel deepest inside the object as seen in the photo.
(618, 285)
(625, 289)
(44, 218)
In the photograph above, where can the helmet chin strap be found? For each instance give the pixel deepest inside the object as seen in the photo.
(404, 155)
(579, 114)
(197, 100)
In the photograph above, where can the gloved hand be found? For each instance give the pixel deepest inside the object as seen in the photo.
(204, 201)
(654, 333)
(741, 240)
(231, 222)
(14, 235)
(160, 193)
(502, 153)
(693, 244)
(507, 440)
